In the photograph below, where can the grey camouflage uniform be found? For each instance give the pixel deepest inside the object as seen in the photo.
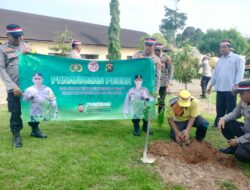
(242, 109)
(73, 54)
(9, 64)
(157, 67)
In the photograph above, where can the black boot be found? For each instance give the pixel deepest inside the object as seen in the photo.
(36, 131)
(203, 96)
(17, 140)
(228, 150)
(137, 130)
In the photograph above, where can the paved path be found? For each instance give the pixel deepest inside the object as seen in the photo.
(192, 87)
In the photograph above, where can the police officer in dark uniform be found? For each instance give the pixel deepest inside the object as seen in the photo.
(9, 75)
(238, 133)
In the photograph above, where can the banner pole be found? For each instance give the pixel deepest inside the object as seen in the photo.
(145, 159)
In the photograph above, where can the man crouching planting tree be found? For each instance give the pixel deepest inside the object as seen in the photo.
(183, 114)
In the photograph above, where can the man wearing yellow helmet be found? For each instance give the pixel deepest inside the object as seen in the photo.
(183, 114)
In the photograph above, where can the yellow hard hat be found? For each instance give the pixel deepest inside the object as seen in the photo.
(184, 99)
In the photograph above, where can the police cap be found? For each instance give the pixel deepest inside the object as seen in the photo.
(14, 30)
(243, 86)
(138, 76)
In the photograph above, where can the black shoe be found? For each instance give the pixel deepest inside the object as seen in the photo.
(137, 131)
(36, 131)
(203, 96)
(199, 139)
(38, 134)
(228, 150)
(17, 140)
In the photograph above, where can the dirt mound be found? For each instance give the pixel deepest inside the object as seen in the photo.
(197, 166)
(195, 153)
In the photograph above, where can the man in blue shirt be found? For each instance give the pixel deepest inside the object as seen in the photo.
(228, 73)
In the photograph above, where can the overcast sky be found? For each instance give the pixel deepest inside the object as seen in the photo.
(143, 15)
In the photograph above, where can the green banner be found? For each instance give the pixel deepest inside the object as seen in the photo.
(58, 88)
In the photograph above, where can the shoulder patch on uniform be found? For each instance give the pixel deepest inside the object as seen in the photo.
(173, 101)
(138, 54)
(9, 50)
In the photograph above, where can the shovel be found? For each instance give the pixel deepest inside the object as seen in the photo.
(145, 159)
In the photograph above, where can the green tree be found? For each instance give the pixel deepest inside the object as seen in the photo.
(211, 39)
(185, 65)
(171, 23)
(159, 38)
(188, 33)
(62, 42)
(192, 36)
(247, 50)
(114, 31)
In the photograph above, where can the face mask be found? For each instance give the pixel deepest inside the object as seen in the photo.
(138, 84)
(206, 61)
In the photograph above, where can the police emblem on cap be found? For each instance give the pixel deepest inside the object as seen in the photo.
(109, 67)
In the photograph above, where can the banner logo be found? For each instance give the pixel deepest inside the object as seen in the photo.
(93, 66)
(80, 108)
(109, 67)
(75, 68)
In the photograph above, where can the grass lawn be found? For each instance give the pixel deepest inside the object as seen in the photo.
(83, 155)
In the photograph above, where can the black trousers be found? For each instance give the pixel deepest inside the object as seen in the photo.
(162, 94)
(14, 107)
(136, 123)
(232, 129)
(204, 83)
(242, 153)
(225, 103)
(200, 123)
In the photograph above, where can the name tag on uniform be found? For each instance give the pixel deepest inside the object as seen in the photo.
(12, 55)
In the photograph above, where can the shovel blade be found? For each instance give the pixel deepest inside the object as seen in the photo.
(147, 160)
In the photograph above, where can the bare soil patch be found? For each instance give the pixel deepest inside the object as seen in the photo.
(197, 166)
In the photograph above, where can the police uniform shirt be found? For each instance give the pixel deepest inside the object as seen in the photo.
(9, 63)
(74, 54)
(157, 67)
(165, 71)
(242, 109)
